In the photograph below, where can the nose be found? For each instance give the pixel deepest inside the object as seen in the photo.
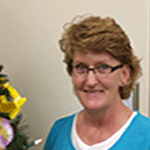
(91, 79)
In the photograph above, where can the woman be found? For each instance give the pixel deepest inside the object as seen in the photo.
(103, 69)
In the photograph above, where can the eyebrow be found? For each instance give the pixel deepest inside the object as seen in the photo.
(97, 63)
(82, 63)
(101, 63)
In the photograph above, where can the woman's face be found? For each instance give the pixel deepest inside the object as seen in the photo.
(94, 91)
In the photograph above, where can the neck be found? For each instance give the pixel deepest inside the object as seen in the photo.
(118, 113)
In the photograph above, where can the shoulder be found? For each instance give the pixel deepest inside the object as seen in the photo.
(142, 119)
(64, 120)
(136, 136)
(60, 133)
(62, 124)
(141, 123)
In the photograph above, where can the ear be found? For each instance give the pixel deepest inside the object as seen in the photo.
(125, 75)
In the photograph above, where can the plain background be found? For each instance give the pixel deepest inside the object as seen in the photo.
(29, 34)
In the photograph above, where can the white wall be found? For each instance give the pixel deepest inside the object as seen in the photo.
(29, 33)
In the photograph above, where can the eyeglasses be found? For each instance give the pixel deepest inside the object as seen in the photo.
(100, 70)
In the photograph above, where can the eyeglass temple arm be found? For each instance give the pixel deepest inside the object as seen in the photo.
(114, 68)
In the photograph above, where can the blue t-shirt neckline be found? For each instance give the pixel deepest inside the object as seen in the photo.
(71, 126)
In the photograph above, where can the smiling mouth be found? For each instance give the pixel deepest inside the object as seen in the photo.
(95, 91)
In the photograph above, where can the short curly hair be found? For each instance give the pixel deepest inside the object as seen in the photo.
(100, 35)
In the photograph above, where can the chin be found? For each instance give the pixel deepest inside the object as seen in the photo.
(95, 106)
(92, 101)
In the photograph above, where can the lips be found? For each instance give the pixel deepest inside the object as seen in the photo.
(93, 91)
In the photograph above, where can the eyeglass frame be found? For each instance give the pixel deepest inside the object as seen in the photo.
(93, 69)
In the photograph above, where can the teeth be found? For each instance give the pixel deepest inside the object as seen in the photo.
(93, 91)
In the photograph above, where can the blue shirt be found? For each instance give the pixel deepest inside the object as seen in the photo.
(136, 136)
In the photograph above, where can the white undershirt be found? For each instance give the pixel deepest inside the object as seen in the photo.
(80, 145)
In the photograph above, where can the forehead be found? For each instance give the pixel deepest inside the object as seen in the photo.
(93, 58)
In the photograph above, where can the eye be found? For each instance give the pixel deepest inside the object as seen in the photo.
(80, 68)
(103, 68)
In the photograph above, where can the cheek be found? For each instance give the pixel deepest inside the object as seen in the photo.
(73, 80)
(117, 84)
(112, 83)
(76, 82)
(76, 85)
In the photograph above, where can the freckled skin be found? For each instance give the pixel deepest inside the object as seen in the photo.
(104, 113)
(109, 85)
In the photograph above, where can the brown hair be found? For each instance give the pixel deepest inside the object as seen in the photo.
(100, 34)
